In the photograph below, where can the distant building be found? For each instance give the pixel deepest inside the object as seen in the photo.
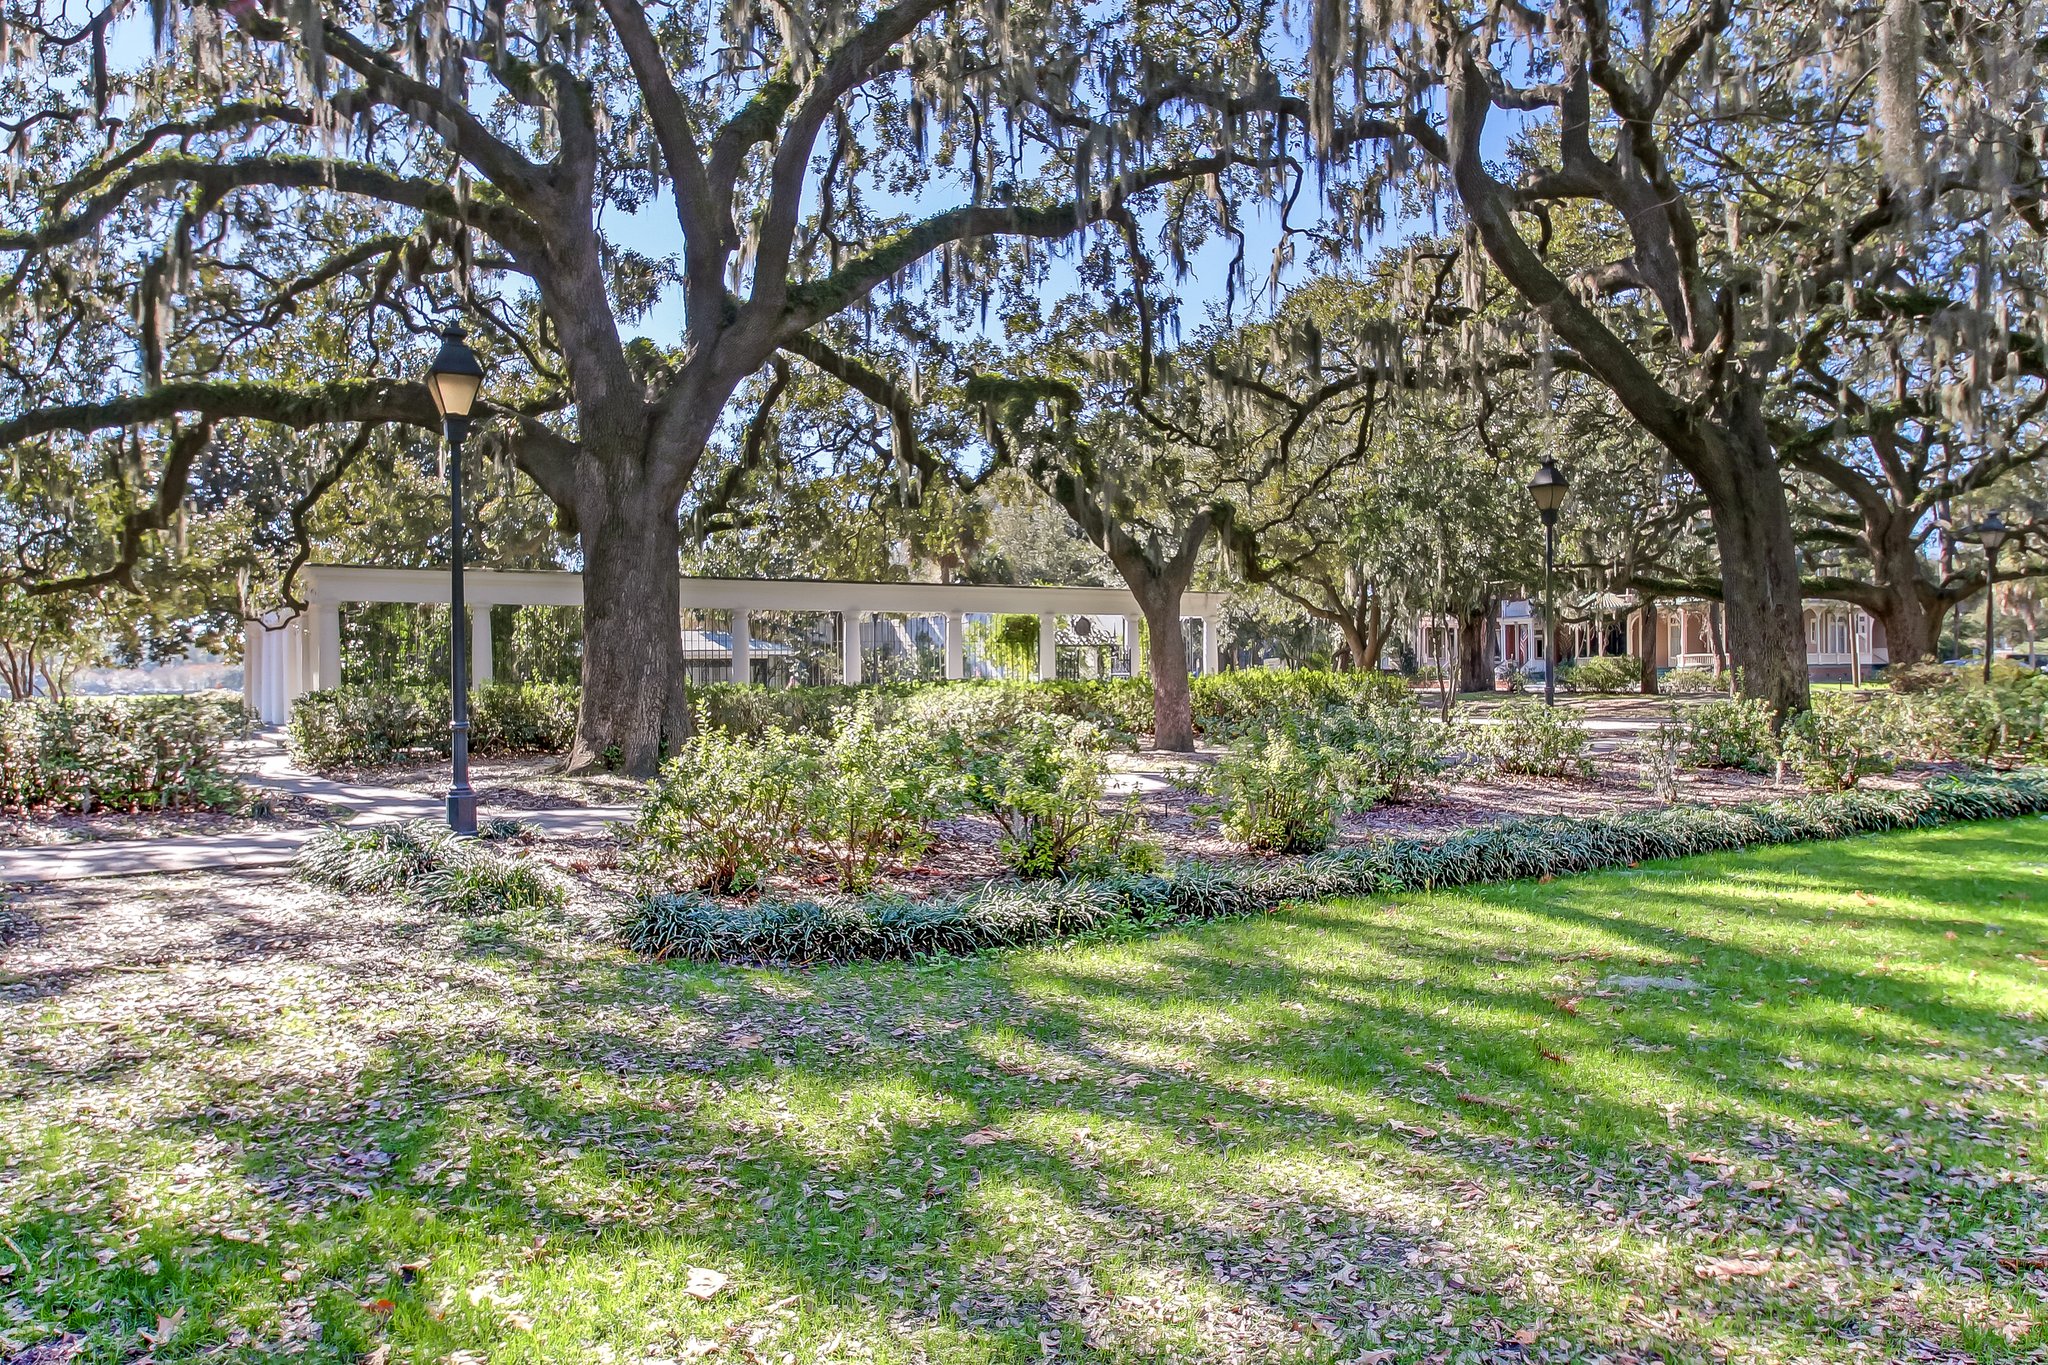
(1843, 643)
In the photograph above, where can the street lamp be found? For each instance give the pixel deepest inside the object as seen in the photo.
(453, 380)
(1547, 490)
(1991, 534)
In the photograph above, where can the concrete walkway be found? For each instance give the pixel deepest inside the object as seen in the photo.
(261, 761)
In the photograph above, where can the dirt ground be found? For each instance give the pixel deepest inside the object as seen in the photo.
(265, 811)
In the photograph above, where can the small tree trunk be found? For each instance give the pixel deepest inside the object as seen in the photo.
(1717, 640)
(633, 679)
(1354, 645)
(1646, 642)
(1475, 650)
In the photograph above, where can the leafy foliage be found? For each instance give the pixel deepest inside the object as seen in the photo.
(1002, 915)
(1394, 748)
(876, 791)
(127, 753)
(1043, 781)
(1680, 682)
(1527, 737)
(1725, 733)
(1282, 792)
(364, 726)
(1602, 673)
(1838, 743)
(726, 810)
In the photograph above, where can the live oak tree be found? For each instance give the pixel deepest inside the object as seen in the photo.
(1669, 123)
(388, 165)
(1154, 457)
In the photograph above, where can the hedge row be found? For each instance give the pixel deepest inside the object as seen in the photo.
(358, 726)
(1000, 914)
(349, 727)
(117, 753)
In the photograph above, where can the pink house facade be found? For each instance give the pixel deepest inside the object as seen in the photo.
(1843, 643)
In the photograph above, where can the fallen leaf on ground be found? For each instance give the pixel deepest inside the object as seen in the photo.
(1729, 1267)
(983, 1137)
(702, 1283)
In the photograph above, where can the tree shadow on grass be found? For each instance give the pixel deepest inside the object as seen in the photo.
(1088, 1144)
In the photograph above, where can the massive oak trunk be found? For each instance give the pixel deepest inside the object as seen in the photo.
(1766, 631)
(632, 624)
(1906, 603)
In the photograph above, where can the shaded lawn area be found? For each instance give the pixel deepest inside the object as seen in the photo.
(1441, 1127)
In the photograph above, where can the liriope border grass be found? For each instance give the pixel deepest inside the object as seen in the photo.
(1003, 915)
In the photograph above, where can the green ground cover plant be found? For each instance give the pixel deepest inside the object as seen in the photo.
(118, 753)
(1774, 1106)
(422, 861)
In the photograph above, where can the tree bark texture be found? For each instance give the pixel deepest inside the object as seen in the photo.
(633, 695)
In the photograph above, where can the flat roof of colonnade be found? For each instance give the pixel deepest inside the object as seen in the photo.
(335, 584)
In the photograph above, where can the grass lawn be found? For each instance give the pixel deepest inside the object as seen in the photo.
(1778, 1106)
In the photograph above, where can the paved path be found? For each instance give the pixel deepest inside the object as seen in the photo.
(262, 762)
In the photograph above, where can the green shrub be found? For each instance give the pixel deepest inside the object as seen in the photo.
(1282, 792)
(1042, 779)
(522, 718)
(1230, 704)
(1395, 749)
(361, 727)
(1660, 759)
(1602, 673)
(1961, 717)
(875, 793)
(726, 811)
(1922, 675)
(1729, 732)
(427, 863)
(1837, 743)
(1680, 682)
(117, 753)
(1002, 915)
(1525, 736)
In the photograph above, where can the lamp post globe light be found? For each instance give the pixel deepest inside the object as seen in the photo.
(1991, 533)
(454, 380)
(1547, 490)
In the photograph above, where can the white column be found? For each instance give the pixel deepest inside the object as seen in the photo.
(294, 653)
(742, 645)
(956, 646)
(849, 647)
(323, 647)
(1048, 647)
(480, 661)
(1209, 646)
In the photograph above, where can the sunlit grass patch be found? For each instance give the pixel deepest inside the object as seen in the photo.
(1784, 1105)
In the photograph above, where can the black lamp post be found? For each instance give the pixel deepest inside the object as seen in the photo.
(453, 380)
(1991, 534)
(1547, 490)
